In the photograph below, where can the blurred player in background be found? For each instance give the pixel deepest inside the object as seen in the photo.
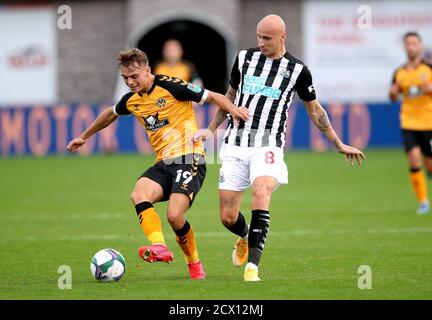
(163, 106)
(263, 80)
(413, 81)
(174, 65)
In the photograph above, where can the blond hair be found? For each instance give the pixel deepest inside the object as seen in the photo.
(127, 57)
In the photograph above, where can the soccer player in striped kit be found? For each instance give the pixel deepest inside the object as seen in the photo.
(263, 80)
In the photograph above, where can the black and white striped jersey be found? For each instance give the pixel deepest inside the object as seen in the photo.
(266, 87)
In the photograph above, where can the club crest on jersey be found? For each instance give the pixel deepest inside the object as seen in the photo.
(285, 73)
(153, 123)
(161, 102)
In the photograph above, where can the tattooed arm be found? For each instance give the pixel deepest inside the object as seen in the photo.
(320, 118)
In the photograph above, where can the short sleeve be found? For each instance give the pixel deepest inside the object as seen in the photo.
(120, 108)
(183, 90)
(235, 75)
(304, 86)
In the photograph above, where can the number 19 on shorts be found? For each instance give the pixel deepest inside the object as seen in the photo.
(186, 175)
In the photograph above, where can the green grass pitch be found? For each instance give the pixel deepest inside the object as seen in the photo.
(330, 219)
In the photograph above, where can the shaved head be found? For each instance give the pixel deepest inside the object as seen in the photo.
(272, 23)
(271, 35)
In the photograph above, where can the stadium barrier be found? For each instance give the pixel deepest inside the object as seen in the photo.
(40, 129)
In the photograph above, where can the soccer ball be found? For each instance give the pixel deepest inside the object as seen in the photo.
(108, 265)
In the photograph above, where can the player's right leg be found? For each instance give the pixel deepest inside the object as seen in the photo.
(187, 176)
(234, 221)
(233, 180)
(417, 178)
(145, 193)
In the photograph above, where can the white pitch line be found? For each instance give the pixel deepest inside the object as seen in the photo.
(67, 216)
(223, 234)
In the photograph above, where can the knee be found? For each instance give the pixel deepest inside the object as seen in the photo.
(134, 197)
(175, 219)
(228, 217)
(261, 193)
(138, 198)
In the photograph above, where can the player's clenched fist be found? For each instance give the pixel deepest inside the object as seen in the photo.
(75, 144)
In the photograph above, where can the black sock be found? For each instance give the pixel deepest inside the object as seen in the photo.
(258, 230)
(240, 227)
(183, 230)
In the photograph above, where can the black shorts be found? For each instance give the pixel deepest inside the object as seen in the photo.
(414, 138)
(184, 174)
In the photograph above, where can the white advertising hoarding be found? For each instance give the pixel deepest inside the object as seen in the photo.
(353, 48)
(28, 55)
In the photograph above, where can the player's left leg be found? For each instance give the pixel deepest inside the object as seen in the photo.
(267, 171)
(185, 237)
(424, 152)
(414, 144)
(426, 148)
(428, 165)
(262, 189)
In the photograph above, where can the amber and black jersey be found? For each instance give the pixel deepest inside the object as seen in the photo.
(416, 109)
(167, 114)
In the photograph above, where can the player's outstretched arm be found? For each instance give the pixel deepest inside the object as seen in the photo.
(103, 120)
(219, 118)
(320, 118)
(226, 105)
(204, 134)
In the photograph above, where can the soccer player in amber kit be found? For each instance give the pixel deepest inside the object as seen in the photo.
(413, 81)
(163, 105)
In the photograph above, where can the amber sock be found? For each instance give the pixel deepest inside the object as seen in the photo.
(418, 182)
(150, 222)
(186, 240)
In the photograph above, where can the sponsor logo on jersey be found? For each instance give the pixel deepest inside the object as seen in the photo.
(194, 88)
(153, 123)
(256, 85)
